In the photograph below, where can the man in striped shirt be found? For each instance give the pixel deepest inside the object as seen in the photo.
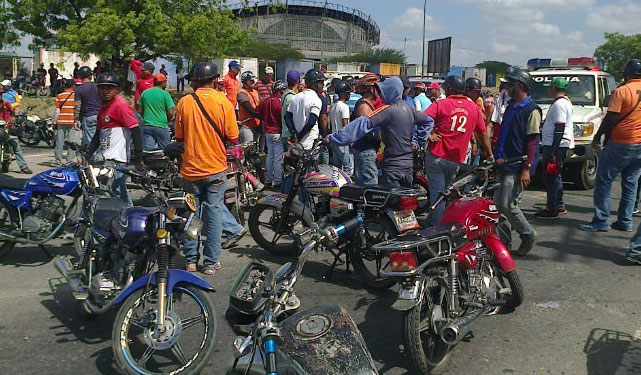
(65, 121)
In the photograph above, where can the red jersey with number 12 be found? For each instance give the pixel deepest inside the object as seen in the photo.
(456, 118)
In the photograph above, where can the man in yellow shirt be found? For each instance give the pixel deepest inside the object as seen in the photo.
(205, 121)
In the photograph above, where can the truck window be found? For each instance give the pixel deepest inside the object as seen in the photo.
(603, 88)
(581, 89)
(612, 84)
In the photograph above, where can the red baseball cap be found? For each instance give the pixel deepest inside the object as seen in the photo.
(159, 77)
(434, 86)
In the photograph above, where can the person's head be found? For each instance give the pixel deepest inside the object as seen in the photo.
(107, 86)
(76, 64)
(278, 87)
(234, 68)
(473, 88)
(293, 78)
(269, 74)
(248, 79)
(557, 87)
(42, 65)
(519, 84)
(219, 84)
(51, 65)
(160, 80)
(454, 85)
(366, 86)
(435, 89)
(632, 69)
(97, 63)
(419, 88)
(85, 73)
(332, 85)
(162, 66)
(203, 74)
(315, 80)
(6, 85)
(344, 90)
(407, 86)
(70, 84)
(148, 70)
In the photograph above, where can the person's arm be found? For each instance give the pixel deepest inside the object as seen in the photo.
(94, 144)
(171, 113)
(289, 122)
(171, 107)
(417, 104)
(323, 122)
(532, 144)
(76, 112)
(609, 123)
(311, 122)
(352, 132)
(231, 127)
(135, 67)
(141, 106)
(178, 124)
(249, 109)
(424, 126)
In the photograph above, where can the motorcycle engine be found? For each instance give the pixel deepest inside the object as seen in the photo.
(48, 211)
(103, 287)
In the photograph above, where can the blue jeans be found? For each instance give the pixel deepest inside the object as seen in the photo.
(440, 173)
(396, 178)
(274, 159)
(155, 137)
(614, 159)
(210, 197)
(554, 184)
(88, 128)
(323, 157)
(17, 151)
(342, 158)
(365, 170)
(119, 182)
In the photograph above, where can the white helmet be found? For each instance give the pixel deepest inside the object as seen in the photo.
(6, 82)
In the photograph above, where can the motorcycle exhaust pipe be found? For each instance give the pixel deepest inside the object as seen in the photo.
(64, 266)
(254, 181)
(454, 332)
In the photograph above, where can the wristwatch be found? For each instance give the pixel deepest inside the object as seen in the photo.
(527, 165)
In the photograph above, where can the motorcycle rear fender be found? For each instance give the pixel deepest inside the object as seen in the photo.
(409, 296)
(501, 253)
(298, 208)
(173, 277)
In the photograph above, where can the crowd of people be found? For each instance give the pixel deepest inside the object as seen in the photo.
(371, 128)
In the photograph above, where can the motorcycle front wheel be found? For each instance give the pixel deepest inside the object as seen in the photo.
(42, 92)
(5, 224)
(27, 137)
(367, 263)
(272, 231)
(183, 347)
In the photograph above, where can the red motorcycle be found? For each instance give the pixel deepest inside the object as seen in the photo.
(452, 274)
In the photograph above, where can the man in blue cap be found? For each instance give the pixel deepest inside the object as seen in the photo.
(231, 82)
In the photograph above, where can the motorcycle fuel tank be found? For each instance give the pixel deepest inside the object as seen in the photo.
(59, 181)
(131, 228)
(479, 215)
(328, 180)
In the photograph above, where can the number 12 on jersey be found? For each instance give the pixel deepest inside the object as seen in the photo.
(459, 120)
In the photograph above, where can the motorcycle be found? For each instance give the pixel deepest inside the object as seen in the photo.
(165, 322)
(35, 130)
(6, 151)
(452, 274)
(36, 87)
(322, 340)
(383, 213)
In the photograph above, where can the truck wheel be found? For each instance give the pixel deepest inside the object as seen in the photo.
(585, 176)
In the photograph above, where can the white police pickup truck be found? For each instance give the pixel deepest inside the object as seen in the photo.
(589, 90)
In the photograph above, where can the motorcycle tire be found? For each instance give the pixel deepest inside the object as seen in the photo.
(280, 249)
(5, 221)
(121, 343)
(27, 141)
(42, 93)
(414, 338)
(517, 296)
(371, 280)
(504, 230)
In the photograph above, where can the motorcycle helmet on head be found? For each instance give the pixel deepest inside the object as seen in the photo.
(203, 71)
(85, 72)
(520, 76)
(108, 79)
(456, 84)
(279, 86)
(633, 68)
(247, 76)
(473, 84)
(313, 75)
(343, 87)
(369, 79)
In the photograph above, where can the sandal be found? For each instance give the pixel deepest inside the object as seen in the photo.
(191, 267)
(212, 270)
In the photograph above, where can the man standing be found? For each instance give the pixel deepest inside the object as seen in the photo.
(621, 154)
(157, 109)
(269, 111)
(396, 123)
(435, 92)
(116, 121)
(338, 118)
(421, 102)
(365, 149)
(264, 87)
(87, 105)
(10, 94)
(305, 108)
(519, 136)
(5, 114)
(76, 66)
(293, 79)
(97, 70)
(248, 119)
(163, 71)
(206, 120)
(42, 73)
(557, 138)
(407, 87)
(53, 80)
(456, 120)
(65, 122)
(180, 78)
(231, 82)
(131, 81)
(473, 88)
(144, 79)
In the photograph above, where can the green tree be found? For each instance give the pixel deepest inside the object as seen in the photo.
(376, 55)
(8, 37)
(494, 66)
(616, 51)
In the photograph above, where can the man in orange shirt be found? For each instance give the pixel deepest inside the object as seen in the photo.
(231, 82)
(65, 121)
(248, 101)
(621, 154)
(205, 121)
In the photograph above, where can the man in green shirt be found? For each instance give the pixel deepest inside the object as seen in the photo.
(293, 79)
(157, 108)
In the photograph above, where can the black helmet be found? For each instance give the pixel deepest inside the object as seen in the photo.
(473, 84)
(203, 71)
(455, 84)
(85, 72)
(314, 75)
(521, 76)
(279, 86)
(335, 82)
(343, 87)
(247, 76)
(108, 79)
(633, 68)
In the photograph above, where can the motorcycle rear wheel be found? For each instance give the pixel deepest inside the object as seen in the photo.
(369, 273)
(27, 141)
(263, 221)
(5, 222)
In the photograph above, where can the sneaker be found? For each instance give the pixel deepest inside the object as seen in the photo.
(562, 210)
(634, 259)
(617, 225)
(231, 241)
(26, 170)
(636, 212)
(547, 214)
(527, 243)
(593, 227)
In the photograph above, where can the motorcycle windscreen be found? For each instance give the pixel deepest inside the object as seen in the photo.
(325, 340)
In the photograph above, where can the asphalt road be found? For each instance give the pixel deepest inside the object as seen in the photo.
(582, 313)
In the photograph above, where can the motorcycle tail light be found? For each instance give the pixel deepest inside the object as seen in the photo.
(408, 203)
(403, 261)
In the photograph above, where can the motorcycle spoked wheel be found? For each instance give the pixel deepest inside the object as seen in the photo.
(183, 348)
(504, 230)
(510, 279)
(263, 226)
(26, 137)
(5, 222)
(427, 351)
(367, 262)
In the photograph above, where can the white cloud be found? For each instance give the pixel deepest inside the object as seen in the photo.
(575, 36)
(622, 17)
(546, 29)
(504, 48)
(534, 4)
(412, 19)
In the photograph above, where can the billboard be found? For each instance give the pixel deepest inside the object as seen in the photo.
(438, 55)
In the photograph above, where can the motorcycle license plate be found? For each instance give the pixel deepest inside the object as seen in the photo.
(405, 220)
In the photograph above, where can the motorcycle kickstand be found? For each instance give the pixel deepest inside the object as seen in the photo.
(337, 256)
(44, 250)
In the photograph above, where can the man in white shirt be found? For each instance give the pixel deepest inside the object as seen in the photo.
(557, 138)
(305, 108)
(338, 118)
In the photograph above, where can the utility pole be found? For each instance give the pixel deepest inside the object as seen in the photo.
(423, 58)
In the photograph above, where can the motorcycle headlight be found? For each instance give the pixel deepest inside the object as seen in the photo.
(193, 227)
(583, 129)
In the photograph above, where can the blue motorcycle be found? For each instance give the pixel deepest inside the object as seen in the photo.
(166, 320)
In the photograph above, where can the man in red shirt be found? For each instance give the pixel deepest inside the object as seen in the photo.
(264, 86)
(116, 120)
(456, 120)
(269, 111)
(5, 115)
(231, 82)
(144, 78)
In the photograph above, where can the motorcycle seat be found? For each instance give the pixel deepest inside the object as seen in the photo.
(106, 210)
(356, 192)
(454, 231)
(8, 182)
